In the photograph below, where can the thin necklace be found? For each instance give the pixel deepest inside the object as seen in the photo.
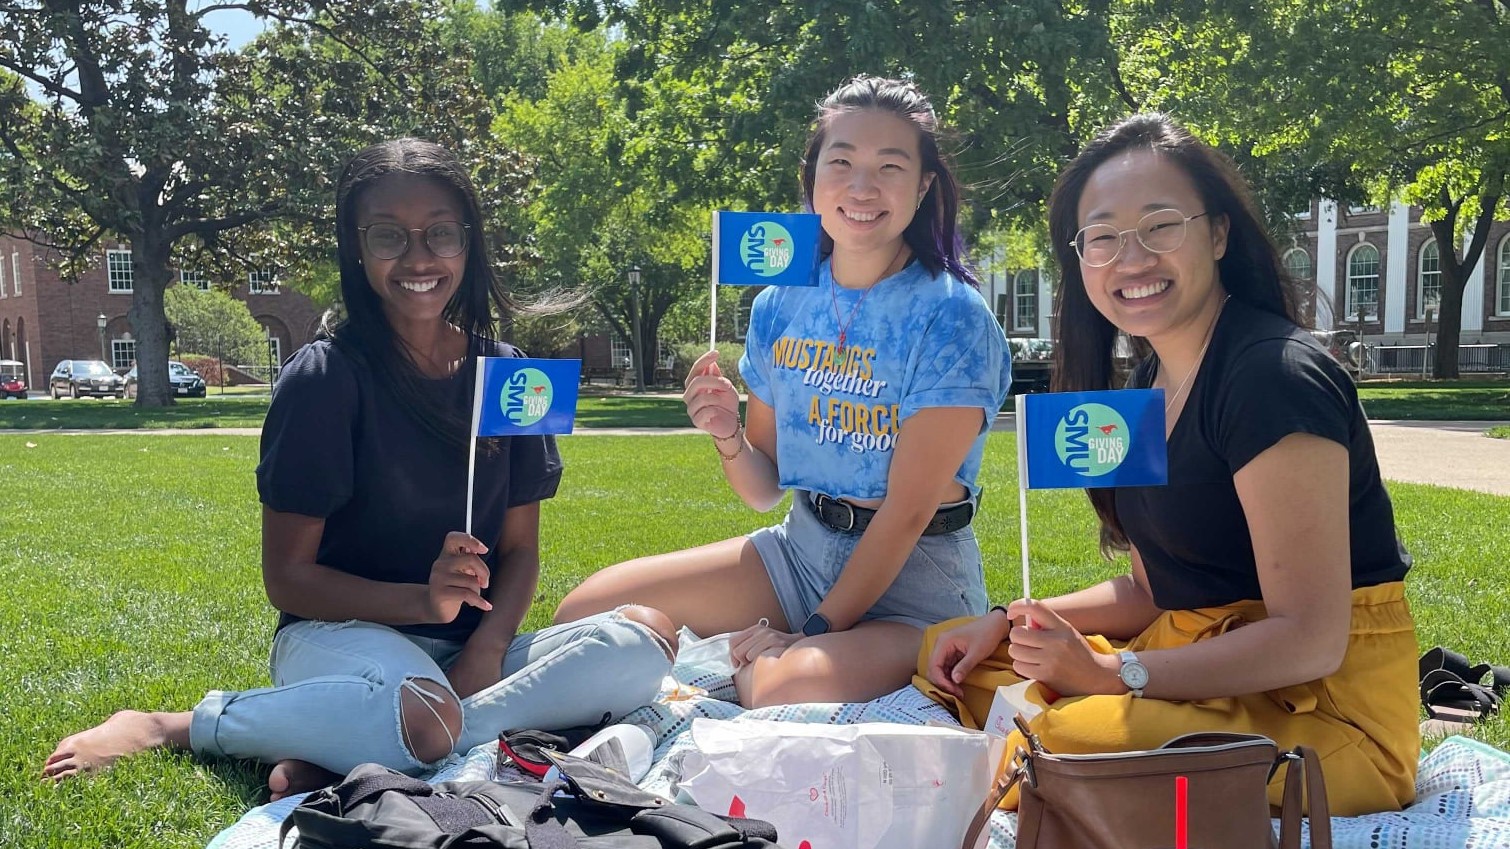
(1210, 329)
(845, 324)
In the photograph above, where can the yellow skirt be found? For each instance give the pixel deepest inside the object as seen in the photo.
(1363, 719)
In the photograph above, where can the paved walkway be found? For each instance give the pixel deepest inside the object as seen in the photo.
(1455, 454)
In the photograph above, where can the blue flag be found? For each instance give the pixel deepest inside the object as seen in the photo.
(765, 248)
(517, 396)
(1093, 439)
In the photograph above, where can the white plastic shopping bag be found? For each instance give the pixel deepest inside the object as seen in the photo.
(868, 786)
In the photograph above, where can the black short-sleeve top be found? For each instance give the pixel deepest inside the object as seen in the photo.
(338, 445)
(1262, 379)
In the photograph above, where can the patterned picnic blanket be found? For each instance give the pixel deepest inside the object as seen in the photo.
(1462, 790)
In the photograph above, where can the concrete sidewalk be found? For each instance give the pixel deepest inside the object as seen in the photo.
(1455, 454)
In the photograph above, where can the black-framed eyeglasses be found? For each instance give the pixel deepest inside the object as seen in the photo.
(1160, 231)
(389, 241)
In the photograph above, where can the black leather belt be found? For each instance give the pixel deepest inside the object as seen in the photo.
(843, 516)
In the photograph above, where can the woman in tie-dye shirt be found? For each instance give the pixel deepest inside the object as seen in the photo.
(870, 399)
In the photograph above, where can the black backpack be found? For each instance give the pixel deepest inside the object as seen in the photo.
(379, 808)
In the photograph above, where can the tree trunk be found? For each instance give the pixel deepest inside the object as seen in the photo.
(149, 269)
(1455, 274)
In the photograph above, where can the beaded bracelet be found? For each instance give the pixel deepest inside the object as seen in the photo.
(739, 433)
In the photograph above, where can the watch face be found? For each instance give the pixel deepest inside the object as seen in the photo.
(1135, 675)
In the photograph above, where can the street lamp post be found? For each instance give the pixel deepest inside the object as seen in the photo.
(639, 354)
(100, 322)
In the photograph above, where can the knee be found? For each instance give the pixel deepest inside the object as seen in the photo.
(659, 624)
(429, 719)
(580, 603)
(793, 677)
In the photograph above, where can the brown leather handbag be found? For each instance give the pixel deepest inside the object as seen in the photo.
(1127, 800)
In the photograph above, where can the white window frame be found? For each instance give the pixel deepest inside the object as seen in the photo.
(261, 282)
(620, 352)
(1421, 275)
(1362, 210)
(1310, 266)
(15, 274)
(195, 278)
(1503, 301)
(1352, 310)
(2, 275)
(122, 352)
(1003, 310)
(276, 346)
(118, 274)
(1021, 298)
(1303, 215)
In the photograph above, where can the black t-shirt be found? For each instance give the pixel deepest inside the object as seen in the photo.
(1262, 379)
(337, 445)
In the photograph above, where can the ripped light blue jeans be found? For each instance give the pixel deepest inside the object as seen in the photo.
(336, 689)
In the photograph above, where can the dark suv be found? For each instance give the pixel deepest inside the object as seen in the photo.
(77, 378)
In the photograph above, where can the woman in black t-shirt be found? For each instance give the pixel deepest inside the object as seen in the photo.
(1265, 593)
(398, 641)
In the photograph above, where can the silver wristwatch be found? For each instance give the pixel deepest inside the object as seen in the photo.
(1133, 673)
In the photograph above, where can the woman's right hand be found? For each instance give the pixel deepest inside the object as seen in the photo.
(712, 402)
(458, 577)
(959, 650)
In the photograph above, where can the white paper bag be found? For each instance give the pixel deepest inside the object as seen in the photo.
(868, 786)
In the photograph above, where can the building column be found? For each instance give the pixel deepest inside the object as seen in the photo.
(1473, 293)
(1397, 260)
(1327, 295)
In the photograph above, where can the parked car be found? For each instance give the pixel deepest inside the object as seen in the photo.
(186, 381)
(1032, 364)
(77, 378)
(1344, 347)
(12, 379)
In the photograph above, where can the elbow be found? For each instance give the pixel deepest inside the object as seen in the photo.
(1324, 653)
(280, 594)
(763, 502)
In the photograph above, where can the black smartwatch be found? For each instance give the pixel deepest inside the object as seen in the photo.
(815, 625)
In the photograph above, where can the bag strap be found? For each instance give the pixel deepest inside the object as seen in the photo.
(1303, 766)
(999, 790)
(355, 791)
(541, 831)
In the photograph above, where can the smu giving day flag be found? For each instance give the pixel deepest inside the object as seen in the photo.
(762, 249)
(514, 396)
(1084, 440)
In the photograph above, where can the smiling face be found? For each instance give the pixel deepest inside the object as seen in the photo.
(868, 180)
(416, 286)
(1145, 293)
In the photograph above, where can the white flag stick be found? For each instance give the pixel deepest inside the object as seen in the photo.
(472, 443)
(713, 290)
(1022, 487)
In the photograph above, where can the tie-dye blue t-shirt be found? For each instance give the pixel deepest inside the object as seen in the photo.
(915, 341)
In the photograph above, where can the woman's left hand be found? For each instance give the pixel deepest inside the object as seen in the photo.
(474, 671)
(1053, 652)
(758, 640)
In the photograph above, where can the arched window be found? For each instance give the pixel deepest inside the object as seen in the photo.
(1503, 301)
(1025, 300)
(1428, 278)
(1363, 283)
(1298, 264)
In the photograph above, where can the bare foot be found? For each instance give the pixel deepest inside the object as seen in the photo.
(124, 733)
(295, 776)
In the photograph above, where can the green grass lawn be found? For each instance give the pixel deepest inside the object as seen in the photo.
(1476, 400)
(248, 410)
(130, 564)
(1465, 400)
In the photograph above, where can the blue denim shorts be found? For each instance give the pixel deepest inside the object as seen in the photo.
(941, 579)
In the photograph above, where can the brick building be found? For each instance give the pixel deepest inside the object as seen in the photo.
(1377, 270)
(44, 319)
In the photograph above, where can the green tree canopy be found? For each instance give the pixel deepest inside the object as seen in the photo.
(146, 128)
(214, 324)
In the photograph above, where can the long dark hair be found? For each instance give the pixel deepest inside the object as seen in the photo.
(1250, 270)
(479, 301)
(933, 234)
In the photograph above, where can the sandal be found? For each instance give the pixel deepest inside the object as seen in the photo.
(1499, 678)
(1450, 698)
(1450, 661)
